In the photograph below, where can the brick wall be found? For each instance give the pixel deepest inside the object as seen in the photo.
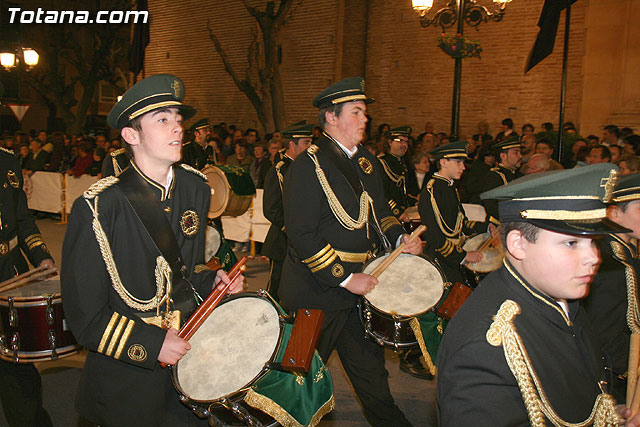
(405, 70)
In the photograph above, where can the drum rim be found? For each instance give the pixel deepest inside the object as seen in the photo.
(33, 301)
(40, 355)
(426, 258)
(477, 270)
(215, 169)
(242, 390)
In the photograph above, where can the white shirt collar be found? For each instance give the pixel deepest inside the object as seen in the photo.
(169, 180)
(348, 152)
(444, 177)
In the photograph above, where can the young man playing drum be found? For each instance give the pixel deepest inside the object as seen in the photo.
(336, 217)
(132, 260)
(520, 351)
(613, 314)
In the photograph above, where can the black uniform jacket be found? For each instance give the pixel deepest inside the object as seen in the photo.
(476, 386)
(17, 227)
(275, 244)
(496, 177)
(606, 304)
(313, 270)
(115, 163)
(394, 179)
(194, 155)
(122, 383)
(440, 210)
(413, 190)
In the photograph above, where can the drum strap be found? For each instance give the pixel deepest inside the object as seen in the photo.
(150, 213)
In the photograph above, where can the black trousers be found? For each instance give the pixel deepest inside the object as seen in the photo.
(363, 361)
(274, 278)
(21, 395)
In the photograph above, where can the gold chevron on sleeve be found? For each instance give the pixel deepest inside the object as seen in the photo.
(325, 264)
(323, 258)
(115, 336)
(318, 255)
(124, 339)
(447, 248)
(107, 332)
(33, 240)
(388, 222)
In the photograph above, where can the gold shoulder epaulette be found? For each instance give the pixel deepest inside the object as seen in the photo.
(116, 153)
(193, 170)
(6, 150)
(313, 149)
(99, 186)
(279, 165)
(380, 155)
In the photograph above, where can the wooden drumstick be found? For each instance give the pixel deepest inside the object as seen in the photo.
(29, 279)
(21, 276)
(396, 253)
(632, 372)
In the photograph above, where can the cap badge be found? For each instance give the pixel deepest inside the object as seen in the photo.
(609, 184)
(176, 89)
(366, 165)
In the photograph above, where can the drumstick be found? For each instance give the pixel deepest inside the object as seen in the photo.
(635, 402)
(29, 279)
(396, 253)
(632, 372)
(21, 276)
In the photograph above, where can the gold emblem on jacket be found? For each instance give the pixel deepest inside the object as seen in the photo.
(190, 223)
(13, 179)
(366, 165)
(137, 353)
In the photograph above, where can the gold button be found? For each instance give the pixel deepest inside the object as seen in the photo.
(167, 209)
(4, 185)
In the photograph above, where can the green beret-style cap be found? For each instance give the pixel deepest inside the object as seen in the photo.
(452, 150)
(568, 201)
(152, 93)
(346, 90)
(298, 130)
(627, 189)
(202, 123)
(399, 131)
(513, 142)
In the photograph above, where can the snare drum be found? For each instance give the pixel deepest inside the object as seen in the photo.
(232, 190)
(32, 324)
(409, 287)
(226, 374)
(492, 256)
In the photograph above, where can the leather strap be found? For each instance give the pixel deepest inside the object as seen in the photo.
(149, 211)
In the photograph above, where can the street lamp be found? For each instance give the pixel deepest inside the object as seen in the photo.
(458, 12)
(10, 58)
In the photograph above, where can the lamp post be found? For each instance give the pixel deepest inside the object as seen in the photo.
(12, 57)
(458, 12)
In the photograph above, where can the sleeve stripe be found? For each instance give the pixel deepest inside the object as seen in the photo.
(320, 253)
(124, 339)
(325, 264)
(107, 332)
(115, 336)
(324, 258)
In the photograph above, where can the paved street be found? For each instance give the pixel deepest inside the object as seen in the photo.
(415, 397)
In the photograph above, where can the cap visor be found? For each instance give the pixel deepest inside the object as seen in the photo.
(587, 228)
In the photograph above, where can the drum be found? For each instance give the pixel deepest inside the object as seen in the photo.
(211, 242)
(409, 287)
(414, 219)
(231, 190)
(32, 324)
(492, 256)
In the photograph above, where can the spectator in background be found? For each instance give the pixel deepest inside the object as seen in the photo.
(547, 127)
(483, 132)
(598, 154)
(23, 154)
(84, 160)
(317, 132)
(629, 165)
(527, 129)
(37, 158)
(593, 140)
(527, 147)
(95, 167)
(240, 156)
(575, 148)
(274, 147)
(536, 164)
(545, 147)
(259, 165)
(21, 138)
(506, 130)
(251, 136)
(616, 152)
(610, 135)
(58, 156)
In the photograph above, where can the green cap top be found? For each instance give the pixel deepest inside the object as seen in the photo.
(158, 91)
(298, 130)
(452, 150)
(568, 201)
(399, 131)
(513, 142)
(346, 90)
(202, 123)
(627, 189)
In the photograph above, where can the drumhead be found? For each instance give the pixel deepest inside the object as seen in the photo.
(34, 291)
(410, 286)
(219, 184)
(491, 257)
(230, 349)
(211, 243)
